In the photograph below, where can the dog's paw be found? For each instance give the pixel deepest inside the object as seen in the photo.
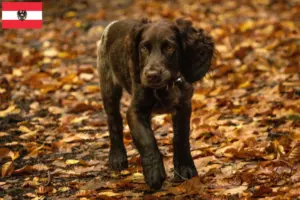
(118, 160)
(184, 172)
(154, 172)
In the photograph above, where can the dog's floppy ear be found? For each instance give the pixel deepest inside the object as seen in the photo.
(198, 50)
(133, 41)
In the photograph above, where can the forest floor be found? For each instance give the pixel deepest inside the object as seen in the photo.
(245, 137)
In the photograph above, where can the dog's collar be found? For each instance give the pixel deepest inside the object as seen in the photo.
(178, 80)
(174, 82)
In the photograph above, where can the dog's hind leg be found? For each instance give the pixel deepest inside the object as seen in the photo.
(111, 94)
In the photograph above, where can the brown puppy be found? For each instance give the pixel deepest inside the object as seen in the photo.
(156, 62)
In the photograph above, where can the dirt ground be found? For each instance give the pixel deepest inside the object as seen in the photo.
(245, 137)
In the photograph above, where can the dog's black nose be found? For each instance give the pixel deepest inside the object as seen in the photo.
(153, 76)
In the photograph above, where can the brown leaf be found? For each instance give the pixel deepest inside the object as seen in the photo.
(192, 186)
(26, 169)
(44, 189)
(51, 87)
(76, 137)
(294, 192)
(81, 107)
(236, 190)
(84, 193)
(222, 70)
(35, 151)
(93, 184)
(296, 177)
(5, 152)
(294, 155)
(61, 146)
(36, 80)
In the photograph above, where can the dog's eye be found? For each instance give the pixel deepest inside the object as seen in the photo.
(170, 48)
(144, 49)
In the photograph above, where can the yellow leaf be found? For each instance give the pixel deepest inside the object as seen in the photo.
(15, 156)
(17, 72)
(63, 54)
(249, 24)
(108, 193)
(262, 67)
(78, 24)
(51, 52)
(238, 110)
(198, 97)
(9, 111)
(125, 172)
(24, 129)
(55, 110)
(138, 175)
(72, 162)
(35, 151)
(28, 136)
(245, 84)
(289, 24)
(70, 14)
(28, 133)
(63, 189)
(7, 169)
(92, 89)
(216, 91)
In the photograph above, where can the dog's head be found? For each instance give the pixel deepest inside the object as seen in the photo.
(161, 51)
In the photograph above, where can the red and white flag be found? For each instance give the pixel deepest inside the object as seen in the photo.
(22, 15)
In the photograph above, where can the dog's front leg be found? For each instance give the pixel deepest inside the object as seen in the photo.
(152, 161)
(184, 167)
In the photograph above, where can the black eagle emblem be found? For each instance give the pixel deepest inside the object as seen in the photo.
(22, 14)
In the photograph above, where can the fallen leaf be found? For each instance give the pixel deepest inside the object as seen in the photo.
(235, 190)
(7, 169)
(12, 109)
(5, 152)
(108, 193)
(84, 193)
(44, 190)
(81, 107)
(72, 162)
(94, 184)
(294, 155)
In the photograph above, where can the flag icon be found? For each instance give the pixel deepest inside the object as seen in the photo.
(22, 15)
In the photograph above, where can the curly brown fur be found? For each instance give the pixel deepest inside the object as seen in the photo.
(156, 62)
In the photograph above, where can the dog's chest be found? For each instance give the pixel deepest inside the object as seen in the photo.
(167, 99)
